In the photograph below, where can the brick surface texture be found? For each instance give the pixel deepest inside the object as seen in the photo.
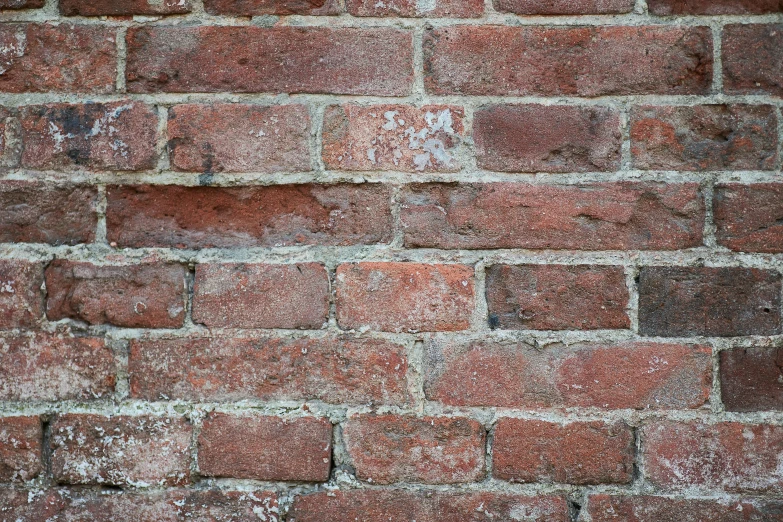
(391, 261)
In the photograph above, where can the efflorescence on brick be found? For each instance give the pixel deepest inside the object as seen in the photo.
(431, 260)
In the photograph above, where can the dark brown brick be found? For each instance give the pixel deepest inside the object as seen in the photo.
(749, 218)
(547, 138)
(576, 61)
(21, 4)
(556, 297)
(37, 212)
(564, 7)
(575, 453)
(723, 302)
(21, 296)
(713, 7)
(48, 367)
(110, 136)
(271, 7)
(265, 448)
(753, 59)
(415, 8)
(751, 379)
(70, 58)
(601, 216)
(385, 449)
(282, 215)
(149, 295)
(121, 450)
(21, 440)
(375, 61)
(123, 7)
(705, 137)
(227, 137)
(644, 508)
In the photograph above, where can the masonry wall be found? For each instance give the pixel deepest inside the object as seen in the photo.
(434, 260)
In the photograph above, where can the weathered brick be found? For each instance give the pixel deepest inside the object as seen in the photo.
(564, 7)
(574, 453)
(556, 297)
(174, 505)
(580, 61)
(729, 456)
(47, 367)
(645, 508)
(751, 379)
(121, 450)
(271, 7)
(265, 448)
(415, 8)
(239, 295)
(704, 137)
(513, 375)
(282, 215)
(401, 297)
(21, 440)
(227, 137)
(149, 295)
(332, 369)
(382, 505)
(547, 138)
(723, 302)
(385, 449)
(21, 297)
(376, 61)
(37, 212)
(123, 7)
(749, 218)
(753, 59)
(600, 216)
(21, 4)
(393, 137)
(713, 7)
(111, 136)
(44, 57)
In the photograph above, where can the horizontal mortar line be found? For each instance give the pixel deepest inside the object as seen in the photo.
(477, 176)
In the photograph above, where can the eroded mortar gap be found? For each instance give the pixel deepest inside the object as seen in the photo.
(189, 292)
(46, 449)
(574, 508)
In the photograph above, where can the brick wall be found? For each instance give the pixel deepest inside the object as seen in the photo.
(431, 260)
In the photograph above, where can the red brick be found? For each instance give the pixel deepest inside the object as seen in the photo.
(385, 449)
(401, 297)
(723, 302)
(121, 450)
(574, 453)
(393, 137)
(557, 297)
(238, 295)
(749, 218)
(37, 212)
(169, 506)
(332, 369)
(644, 508)
(123, 7)
(47, 367)
(382, 505)
(753, 59)
(728, 456)
(227, 137)
(547, 138)
(704, 137)
(578, 61)
(376, 61)
(713, 7)
(21, 298)
(21, 4)
(265, 448)
(271, 7)
(149, 295)
(43, 58)
(21, 439)
(281, 215)
(599, 216)
(564, 7)
(751, 379)
(111, 136)
(414, 8)
(512, 375)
